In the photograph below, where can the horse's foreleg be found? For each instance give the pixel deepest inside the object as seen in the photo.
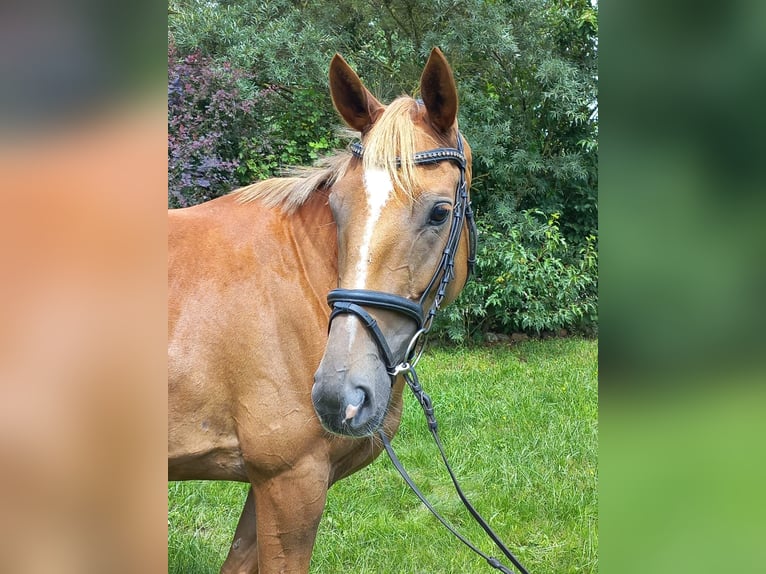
(289, 507)
(243, 554)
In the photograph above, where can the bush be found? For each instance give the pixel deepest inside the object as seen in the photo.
(207, 118)
(224, 131)
(527, 279)
(295, 131)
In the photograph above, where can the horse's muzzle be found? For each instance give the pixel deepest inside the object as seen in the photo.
(347, 405)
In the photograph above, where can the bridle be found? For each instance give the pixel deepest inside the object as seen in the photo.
(351, 301)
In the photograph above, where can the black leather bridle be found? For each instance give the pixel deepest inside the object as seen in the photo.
(353, 301)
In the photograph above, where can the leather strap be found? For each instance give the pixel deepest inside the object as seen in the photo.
(379, 300)
(427, 406)
(372, 326)
(423, 157)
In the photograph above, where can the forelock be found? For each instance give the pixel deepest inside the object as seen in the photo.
(391, 140)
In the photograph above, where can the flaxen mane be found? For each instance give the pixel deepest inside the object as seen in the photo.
(390, 138)
(289, 193)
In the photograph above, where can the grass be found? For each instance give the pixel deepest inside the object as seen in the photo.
(520, 428)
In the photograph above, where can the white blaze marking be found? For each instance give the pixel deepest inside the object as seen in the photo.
(378, 187)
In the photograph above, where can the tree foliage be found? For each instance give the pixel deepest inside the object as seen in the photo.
(526, 72)
(526, 265)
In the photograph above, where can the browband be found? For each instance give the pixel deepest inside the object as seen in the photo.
(422, 157)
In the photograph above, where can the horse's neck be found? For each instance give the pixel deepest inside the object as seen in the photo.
(314, 231)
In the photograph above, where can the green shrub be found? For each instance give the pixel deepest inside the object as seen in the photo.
(528, 279)
(295, 131)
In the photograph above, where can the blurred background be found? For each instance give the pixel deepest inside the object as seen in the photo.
(82, 299)
(681, 199)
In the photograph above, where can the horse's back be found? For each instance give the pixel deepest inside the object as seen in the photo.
(245, 323)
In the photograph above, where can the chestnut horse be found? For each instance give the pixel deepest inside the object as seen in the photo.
(258, 390)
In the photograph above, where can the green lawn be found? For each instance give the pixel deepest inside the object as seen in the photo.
(520, 428)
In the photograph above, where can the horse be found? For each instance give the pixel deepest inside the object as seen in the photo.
(269, 384)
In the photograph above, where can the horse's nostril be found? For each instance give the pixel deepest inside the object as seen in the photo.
(351, 405)
(351, 411)
(355, 401)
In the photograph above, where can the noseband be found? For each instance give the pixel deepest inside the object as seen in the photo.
(352, 301)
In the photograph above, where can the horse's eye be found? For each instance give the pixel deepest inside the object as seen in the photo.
(439, 214)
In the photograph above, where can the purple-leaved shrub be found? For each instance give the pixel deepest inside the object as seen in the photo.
(208, 119)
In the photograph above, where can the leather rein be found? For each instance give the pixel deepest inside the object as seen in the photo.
(353, 301)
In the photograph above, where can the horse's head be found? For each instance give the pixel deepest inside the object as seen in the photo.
(400, 213)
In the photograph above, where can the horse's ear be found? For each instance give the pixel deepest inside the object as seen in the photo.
(437, 88)
(356, 105)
